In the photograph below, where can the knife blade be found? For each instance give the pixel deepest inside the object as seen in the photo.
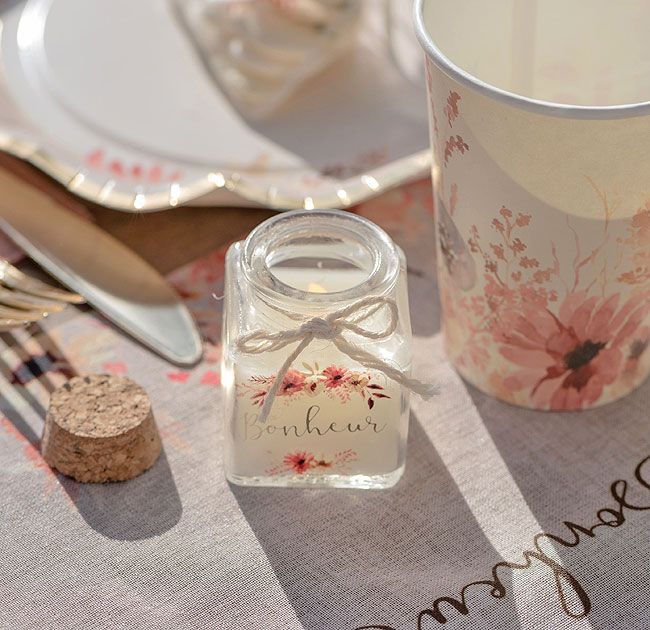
(111, 277)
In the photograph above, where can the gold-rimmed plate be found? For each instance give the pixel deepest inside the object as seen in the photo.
(109, 98)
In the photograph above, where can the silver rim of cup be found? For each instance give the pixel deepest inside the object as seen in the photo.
(547, 108)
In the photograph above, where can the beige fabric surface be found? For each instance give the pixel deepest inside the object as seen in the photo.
(180, 548)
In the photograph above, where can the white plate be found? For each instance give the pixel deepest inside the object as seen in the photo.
(109, 97)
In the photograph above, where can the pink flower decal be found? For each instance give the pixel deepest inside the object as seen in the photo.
(335, 376)
(293, 383)
(568, 359)
(333, 382)
(299, 462)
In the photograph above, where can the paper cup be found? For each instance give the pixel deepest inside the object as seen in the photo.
(540, 129)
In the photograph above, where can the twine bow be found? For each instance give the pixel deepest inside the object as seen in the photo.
(331, 327)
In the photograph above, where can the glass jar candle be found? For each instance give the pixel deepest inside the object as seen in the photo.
(318, 299)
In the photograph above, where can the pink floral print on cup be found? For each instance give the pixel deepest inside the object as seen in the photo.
(542, 308)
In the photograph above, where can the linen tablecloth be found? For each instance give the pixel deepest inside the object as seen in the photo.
(178, 547)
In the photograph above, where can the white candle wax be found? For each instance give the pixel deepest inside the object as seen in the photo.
(331, 416)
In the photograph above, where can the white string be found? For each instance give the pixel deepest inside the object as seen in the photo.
(331, 328)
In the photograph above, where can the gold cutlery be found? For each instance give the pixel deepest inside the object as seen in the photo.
(24, 299)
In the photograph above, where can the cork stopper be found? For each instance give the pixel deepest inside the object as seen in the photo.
(100, 428)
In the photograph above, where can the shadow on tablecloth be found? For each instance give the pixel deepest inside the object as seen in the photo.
(143, 507)
(347, 559)
(576, 458)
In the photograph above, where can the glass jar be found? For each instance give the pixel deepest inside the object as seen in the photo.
(334, 420)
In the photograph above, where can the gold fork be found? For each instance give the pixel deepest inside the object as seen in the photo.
(24, 299)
